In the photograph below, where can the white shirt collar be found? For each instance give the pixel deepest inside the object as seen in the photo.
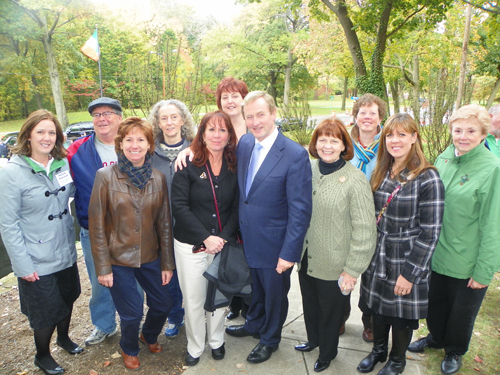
(268, 142)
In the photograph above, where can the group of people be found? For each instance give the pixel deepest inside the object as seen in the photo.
(369, 204)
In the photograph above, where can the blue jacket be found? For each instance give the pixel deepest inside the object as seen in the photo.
(84, 162)
(275, 215)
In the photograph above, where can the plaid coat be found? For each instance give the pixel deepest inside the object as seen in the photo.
(407, 236)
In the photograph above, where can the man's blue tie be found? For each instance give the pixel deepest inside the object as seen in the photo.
(253, 167)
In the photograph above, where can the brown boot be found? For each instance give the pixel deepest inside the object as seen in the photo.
(153, 348)
(131, 362)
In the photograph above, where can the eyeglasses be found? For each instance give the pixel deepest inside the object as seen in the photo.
(105, 114)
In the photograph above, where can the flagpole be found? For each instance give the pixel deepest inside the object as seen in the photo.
(99, 60)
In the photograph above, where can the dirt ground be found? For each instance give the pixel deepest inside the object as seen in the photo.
(17, 348)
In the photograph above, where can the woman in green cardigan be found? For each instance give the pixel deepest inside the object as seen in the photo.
(340, 241)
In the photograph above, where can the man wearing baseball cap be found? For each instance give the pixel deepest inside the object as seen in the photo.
(87, 155)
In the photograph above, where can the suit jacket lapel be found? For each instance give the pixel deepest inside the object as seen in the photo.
(272, 158)
(245, 148)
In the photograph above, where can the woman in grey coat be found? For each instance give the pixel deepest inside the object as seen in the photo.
(38, 233)
(173, 130)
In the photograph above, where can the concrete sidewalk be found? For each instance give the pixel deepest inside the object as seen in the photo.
(287, 360)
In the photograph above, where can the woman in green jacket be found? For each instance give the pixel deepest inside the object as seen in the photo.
(467, 254)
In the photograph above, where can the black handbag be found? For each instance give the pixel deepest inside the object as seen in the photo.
(229, 273)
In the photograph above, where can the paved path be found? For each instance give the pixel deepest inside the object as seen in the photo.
(352, 349)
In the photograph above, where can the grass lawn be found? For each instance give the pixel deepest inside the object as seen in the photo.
(318, 108)
(483, 356)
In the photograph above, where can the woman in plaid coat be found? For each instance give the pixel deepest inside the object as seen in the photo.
(409, 202)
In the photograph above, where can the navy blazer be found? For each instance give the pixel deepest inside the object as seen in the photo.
(275, 215)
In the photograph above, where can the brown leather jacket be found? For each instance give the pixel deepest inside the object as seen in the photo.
(128, 226)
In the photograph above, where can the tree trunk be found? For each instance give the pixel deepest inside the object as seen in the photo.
(395, 94)
(288, 78)
(55, 83)
(38, 97)
(463, 65)
(344, 92)
(493, 94)
(340, 11)
(416, 89)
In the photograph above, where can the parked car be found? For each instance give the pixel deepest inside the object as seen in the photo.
(79, 129)
(6, 142)
(286, 124)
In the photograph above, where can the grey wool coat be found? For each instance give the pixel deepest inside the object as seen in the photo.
(407, 236)
(35, 222)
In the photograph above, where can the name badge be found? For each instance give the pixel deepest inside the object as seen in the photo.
(64, 178)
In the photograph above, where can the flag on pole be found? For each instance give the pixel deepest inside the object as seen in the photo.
(91, 47)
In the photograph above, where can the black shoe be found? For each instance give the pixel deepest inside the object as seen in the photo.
(393, 367)
(321, 365)
(240, 331)
(191, 361)
(232, 315)
(451, 363)
(307, 347)
(369, 362)
(53, 370)
(420, 345)
(261, 353)
(219, 353)
(70, 348)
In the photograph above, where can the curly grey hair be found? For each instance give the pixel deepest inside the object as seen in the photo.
(187, 130)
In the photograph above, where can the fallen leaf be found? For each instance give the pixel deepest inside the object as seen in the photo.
(477, 333)
(240, 365)
(477, 359)
(22, 373)
(477, 369)
(92, 372)
(106, 364)
(116, 355)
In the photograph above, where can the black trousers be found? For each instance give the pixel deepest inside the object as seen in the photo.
(323, 305)
(452, 312)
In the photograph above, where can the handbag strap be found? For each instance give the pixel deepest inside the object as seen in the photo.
(215, 198)
(382, 211)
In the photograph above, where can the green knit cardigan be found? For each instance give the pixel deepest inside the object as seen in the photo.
(342, 233)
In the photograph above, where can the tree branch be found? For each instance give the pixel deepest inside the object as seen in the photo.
(389, 34)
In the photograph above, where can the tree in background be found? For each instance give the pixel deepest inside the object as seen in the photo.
(382, 20)
(50, 16)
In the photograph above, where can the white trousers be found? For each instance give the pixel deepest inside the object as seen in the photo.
(190, 268)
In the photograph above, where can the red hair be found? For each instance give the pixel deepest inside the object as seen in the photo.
(230, 84)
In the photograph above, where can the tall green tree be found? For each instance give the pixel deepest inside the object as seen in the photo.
(382, 20)
(50, 16)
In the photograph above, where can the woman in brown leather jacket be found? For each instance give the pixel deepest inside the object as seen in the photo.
(131, 237)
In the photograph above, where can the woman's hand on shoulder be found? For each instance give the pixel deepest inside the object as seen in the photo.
(403, 287)
(348, 283)
(31, 278)
(181, 162)
(214, 244)
(106, 280)
(475, 285)
(166, 276)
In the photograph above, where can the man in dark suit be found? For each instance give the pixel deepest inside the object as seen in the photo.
(274, 177)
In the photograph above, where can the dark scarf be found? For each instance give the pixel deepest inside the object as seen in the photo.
(139, 176)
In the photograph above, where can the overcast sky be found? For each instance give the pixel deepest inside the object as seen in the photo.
(223, 10)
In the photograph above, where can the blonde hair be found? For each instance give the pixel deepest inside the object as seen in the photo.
(473, 113)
